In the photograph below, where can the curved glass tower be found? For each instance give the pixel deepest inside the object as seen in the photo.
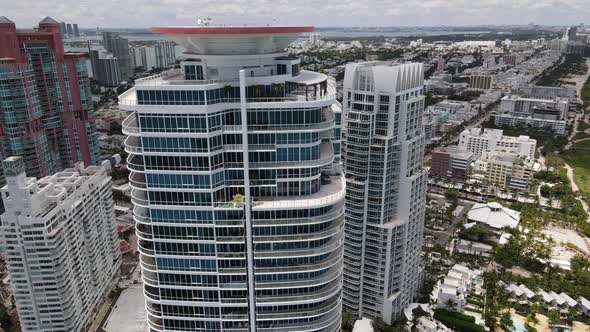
(238, 202)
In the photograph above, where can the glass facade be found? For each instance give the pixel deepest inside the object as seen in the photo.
(196, 228)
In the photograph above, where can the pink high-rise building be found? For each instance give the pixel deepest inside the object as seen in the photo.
(46, 111)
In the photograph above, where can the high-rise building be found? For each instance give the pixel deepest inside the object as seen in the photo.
(105, 67)
(382, 155)
(76, 31)
(69, 29)
(119, 47)
(61, 244)
(160, 55)
(63, 29)
(440, 65)
(47, 112)
(238, 203)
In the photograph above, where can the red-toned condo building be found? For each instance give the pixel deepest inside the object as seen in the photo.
(46, 111)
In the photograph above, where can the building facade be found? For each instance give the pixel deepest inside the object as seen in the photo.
(119, 48)
(45, 100)
(62, 248)
(382, 154)
(479, 140)
(239, 207)
(548, 92)
(157, 56)
(481, 82)
(105, 67)
(451, 161)
(506, 170)
(547, 114)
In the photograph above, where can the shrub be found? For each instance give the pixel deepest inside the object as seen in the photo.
(457, 321)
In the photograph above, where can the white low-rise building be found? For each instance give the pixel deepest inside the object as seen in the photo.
(539, 113)
(493, 216)
(479, 140)
(584, 305)
(455, 288)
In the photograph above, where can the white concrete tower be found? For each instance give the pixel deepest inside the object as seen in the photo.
(382, 153)
(62, 249)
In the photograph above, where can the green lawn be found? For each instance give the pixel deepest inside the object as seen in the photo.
(585, 94)
(583, 126)
(579, 158)
(581, 135)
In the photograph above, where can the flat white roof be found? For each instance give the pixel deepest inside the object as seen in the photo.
(584, 303)
(363, 325)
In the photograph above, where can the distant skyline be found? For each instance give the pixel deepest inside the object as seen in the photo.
(332, 13)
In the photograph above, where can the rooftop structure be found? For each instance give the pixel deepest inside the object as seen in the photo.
(235, 153)
(493, 215)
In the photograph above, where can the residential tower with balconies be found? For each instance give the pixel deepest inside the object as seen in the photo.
(239, 205)
(382, 153)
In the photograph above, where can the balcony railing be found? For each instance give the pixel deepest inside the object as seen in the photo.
(129, 125)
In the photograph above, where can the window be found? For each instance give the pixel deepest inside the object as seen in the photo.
(193, 72)
(295, 69)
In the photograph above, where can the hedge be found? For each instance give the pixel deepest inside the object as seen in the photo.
(457, 321)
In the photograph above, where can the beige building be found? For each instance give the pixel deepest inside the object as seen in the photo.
(506, 170)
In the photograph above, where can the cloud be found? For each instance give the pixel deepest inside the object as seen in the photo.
(146, 13)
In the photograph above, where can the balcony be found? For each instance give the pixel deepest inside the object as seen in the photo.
(130, 126)
(139, 198)
(326, 158)
(316, 311)
(329, 247)
(135, 163)
(137, 180)
(133, 145)
(335, 228)
(330, 290)
(329, 194)
(334, 260)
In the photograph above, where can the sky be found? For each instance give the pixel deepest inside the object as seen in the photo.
(321, 13)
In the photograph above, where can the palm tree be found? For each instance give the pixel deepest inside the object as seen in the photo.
(450, 305)
(506, 321)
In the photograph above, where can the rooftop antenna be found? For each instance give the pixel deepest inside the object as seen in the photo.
(204, 22)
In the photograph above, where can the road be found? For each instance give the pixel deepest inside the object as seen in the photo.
(443, 237)
(454, 138)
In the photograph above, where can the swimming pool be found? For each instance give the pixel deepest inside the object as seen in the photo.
(518, 325)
